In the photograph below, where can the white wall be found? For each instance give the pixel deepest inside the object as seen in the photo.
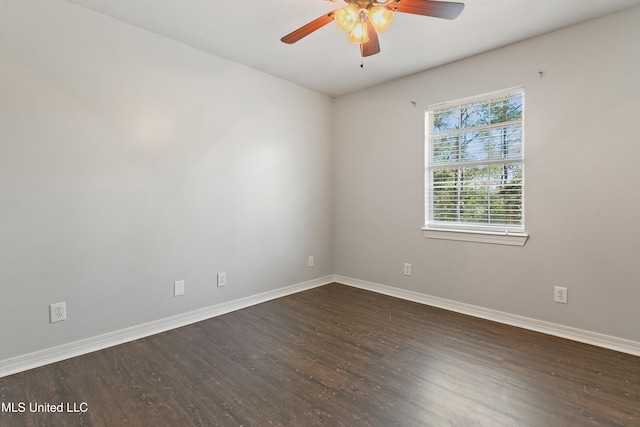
(582, 185)
(128, 161)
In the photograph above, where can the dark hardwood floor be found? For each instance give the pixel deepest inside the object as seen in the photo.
(335, 356)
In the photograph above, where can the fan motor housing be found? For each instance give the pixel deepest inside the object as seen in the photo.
(362, 4)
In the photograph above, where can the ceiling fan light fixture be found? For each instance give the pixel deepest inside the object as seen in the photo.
(380, 17)
(359, 34)
(347, 17)
(363, 20)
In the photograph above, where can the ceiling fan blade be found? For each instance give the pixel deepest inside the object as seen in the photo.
(437, 9)
(373, 45)
(305, 30)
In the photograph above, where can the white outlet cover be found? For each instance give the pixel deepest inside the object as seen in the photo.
(178, 288)
(222, 279)
(407, 269)
(57, 312)
(561, 294)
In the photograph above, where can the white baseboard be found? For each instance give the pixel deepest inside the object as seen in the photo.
(66, 351)
(587, 337)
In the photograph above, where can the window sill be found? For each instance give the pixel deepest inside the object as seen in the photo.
(495, 238)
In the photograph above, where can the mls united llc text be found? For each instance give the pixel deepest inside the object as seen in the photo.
(66, 407)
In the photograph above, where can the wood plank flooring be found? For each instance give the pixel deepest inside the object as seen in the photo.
(335, 356)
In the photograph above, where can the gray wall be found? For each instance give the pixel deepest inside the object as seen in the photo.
(582, 186)
(129, 161)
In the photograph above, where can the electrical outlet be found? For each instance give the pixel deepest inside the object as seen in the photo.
(57, 312)
(407, 269)
(311, 262)
(178, 288)
(222, 279)
(561, 295)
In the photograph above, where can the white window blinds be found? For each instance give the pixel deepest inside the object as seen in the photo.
(475, 164)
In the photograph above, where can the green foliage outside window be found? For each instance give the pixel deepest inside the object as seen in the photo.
(475, 166)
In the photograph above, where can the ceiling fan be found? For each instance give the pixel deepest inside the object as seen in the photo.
(365, 19)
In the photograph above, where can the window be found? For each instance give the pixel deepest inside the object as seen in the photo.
(475, 169)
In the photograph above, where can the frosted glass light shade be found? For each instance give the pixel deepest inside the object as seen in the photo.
(359, 33)
(347, 17)
(380, 17)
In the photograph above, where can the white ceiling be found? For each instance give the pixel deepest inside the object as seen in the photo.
(249, 32)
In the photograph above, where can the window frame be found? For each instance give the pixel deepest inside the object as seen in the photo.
(456, 230)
